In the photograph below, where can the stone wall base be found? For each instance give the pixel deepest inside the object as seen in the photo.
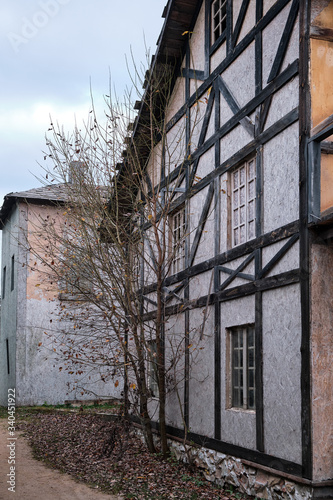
(227, 470)
(252, 479)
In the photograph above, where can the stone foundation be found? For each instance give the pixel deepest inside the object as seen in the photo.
(227, 470)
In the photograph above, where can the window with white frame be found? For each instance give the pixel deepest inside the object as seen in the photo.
(218, 18)
(242, 363)
(243, 202)
(178, 229)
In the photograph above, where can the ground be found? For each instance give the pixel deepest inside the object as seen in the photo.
(105, 454)
(36, 481)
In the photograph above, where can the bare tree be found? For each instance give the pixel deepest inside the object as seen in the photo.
(117, 235)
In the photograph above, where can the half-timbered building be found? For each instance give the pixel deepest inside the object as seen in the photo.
(254, 206)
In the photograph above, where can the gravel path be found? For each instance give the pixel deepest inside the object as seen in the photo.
(33, 480)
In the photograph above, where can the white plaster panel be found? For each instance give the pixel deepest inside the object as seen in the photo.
(267, 4)
(281, 176)
(177, 99)
(292, 52)
(224, 207)
(175, 146)
(233, 264)
(235, 282)
(233, 142)
(238, 426)
(271, 37)
(154, 164)
(197, 43)
(249, 21)
(249, 269)
(202, 284)
(282, 372)
(197, 117)
(240, 76)
(205, 165)
(225, 111)
(174, 342)
(285, 100)
(288, 262)
(236, 5)
(206, 245)
(201, 389)
(218, 56)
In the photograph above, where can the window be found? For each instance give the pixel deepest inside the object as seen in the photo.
(219, 18)
(3, 291)
(152, 369)
(12, 278)
(243, 202)
(242, 363)
(178, 229)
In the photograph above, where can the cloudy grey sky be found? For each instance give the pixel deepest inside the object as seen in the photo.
(50, 50)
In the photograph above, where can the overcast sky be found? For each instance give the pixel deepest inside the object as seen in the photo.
(50, 50)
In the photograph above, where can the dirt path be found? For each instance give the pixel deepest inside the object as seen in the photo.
(35, 481)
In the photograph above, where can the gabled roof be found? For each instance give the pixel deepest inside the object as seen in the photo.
(180, 17)
(50, 194)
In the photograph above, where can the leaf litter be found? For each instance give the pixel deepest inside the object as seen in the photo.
(110, 456)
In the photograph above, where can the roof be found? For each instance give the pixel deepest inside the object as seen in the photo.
(180, 17)
(50, 194)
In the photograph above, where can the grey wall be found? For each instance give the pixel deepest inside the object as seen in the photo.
(8, 307)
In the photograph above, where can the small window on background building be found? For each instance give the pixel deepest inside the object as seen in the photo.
(242, 362)
(12, 277)
(3, 288)
(178, 229)
(7, 352)
(218, 18)
(243, 203)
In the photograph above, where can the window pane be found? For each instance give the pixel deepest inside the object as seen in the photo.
(242, 344)
(251, 401)
(251, 210)
(251, 231)
(251, 190)
(236, 237)
(242, 175)
(242, 196)
(242, 215)
(243, 206)
(242, 235)
(235, 175)
(251, 169)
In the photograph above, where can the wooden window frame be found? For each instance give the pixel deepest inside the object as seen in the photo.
(243, 203)
(218, 20)
(241, 362)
